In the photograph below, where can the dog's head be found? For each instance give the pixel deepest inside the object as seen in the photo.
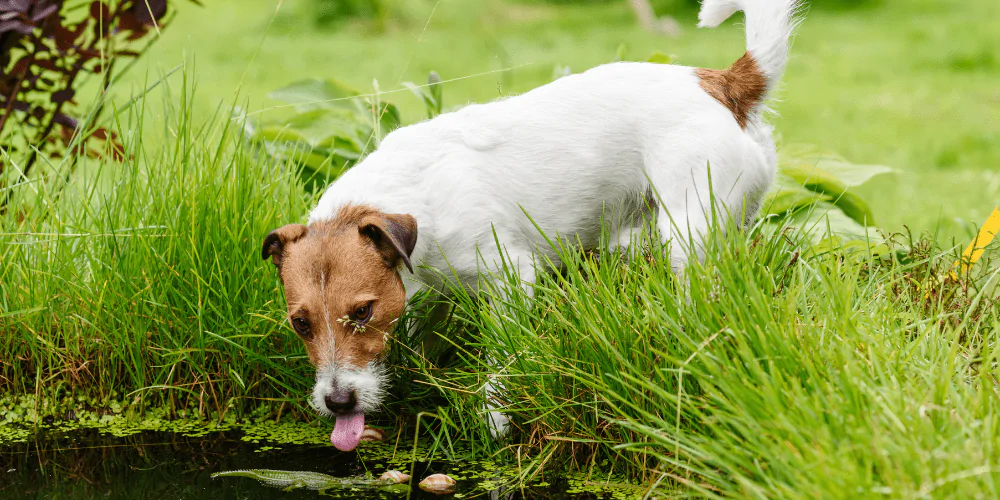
(345, 294)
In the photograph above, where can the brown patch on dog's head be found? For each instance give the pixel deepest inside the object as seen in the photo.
(741, 88)
(342, 282)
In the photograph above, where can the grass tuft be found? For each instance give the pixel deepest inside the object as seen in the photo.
(764, 373)
(142, 280)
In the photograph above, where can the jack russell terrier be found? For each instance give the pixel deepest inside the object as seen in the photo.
(633, 140)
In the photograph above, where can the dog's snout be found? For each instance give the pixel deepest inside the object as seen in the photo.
(340, 400)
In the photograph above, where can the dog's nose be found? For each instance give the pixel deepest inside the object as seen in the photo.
(340, 401)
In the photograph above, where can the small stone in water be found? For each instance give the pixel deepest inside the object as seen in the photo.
(371, 434)
(438, 483)
(394, 477)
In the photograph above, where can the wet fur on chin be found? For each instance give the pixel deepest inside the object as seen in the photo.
(368, 384)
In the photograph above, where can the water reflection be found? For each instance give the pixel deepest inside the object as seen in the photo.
(86, 464)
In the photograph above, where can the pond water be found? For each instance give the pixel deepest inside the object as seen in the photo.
(85, 463)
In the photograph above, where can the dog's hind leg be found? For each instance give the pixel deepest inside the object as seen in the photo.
(697, 185)
(680, 226)
(631, 228)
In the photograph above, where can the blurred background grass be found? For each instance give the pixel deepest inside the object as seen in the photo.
(912, 84)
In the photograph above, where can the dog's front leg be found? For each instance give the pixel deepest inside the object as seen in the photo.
(498, 422)
(509, 300)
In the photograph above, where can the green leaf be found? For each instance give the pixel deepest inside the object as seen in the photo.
(346, 147)
(424, 94)
(661, 58)
(622, 53)
(825, 220)
(853, 174)
(315, 93)
(437, 91)
(315, 162)
(787, 199)
(855, 207)
(328, 166)
(279, 134)
(822, 181)
(317, 127)
(389, 118)
(430, 94)
(814, 178)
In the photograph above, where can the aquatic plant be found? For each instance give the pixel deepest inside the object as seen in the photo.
(290, 480)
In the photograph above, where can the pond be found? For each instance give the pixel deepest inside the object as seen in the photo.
(81, 462)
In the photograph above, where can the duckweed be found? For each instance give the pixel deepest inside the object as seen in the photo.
(22, 420)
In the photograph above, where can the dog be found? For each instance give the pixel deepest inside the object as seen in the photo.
(624, 142)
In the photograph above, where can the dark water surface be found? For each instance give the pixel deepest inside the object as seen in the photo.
(85, 464)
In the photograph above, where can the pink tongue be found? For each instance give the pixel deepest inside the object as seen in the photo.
(347, 431)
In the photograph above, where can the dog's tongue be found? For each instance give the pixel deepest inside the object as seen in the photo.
(347, 431)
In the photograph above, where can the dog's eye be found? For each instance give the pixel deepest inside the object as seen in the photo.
(363, 314)
(301, 326)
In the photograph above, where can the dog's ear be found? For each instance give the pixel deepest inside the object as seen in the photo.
(274, 243)
(395, 236)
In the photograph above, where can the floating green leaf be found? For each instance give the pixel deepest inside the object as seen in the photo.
(290, 480)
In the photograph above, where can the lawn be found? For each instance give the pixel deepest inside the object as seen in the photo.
(777, 368)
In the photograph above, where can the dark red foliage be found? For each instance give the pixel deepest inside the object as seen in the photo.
(43, 51)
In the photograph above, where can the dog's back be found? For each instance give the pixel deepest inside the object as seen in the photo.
(590, 147)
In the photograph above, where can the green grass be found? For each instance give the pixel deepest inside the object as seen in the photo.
(144, 278)
(774, 371)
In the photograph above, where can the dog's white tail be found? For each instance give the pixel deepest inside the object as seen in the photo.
(769, 26)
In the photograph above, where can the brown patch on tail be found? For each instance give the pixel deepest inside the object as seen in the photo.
(740, 88)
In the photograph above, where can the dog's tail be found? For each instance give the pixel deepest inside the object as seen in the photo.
(769, 27)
